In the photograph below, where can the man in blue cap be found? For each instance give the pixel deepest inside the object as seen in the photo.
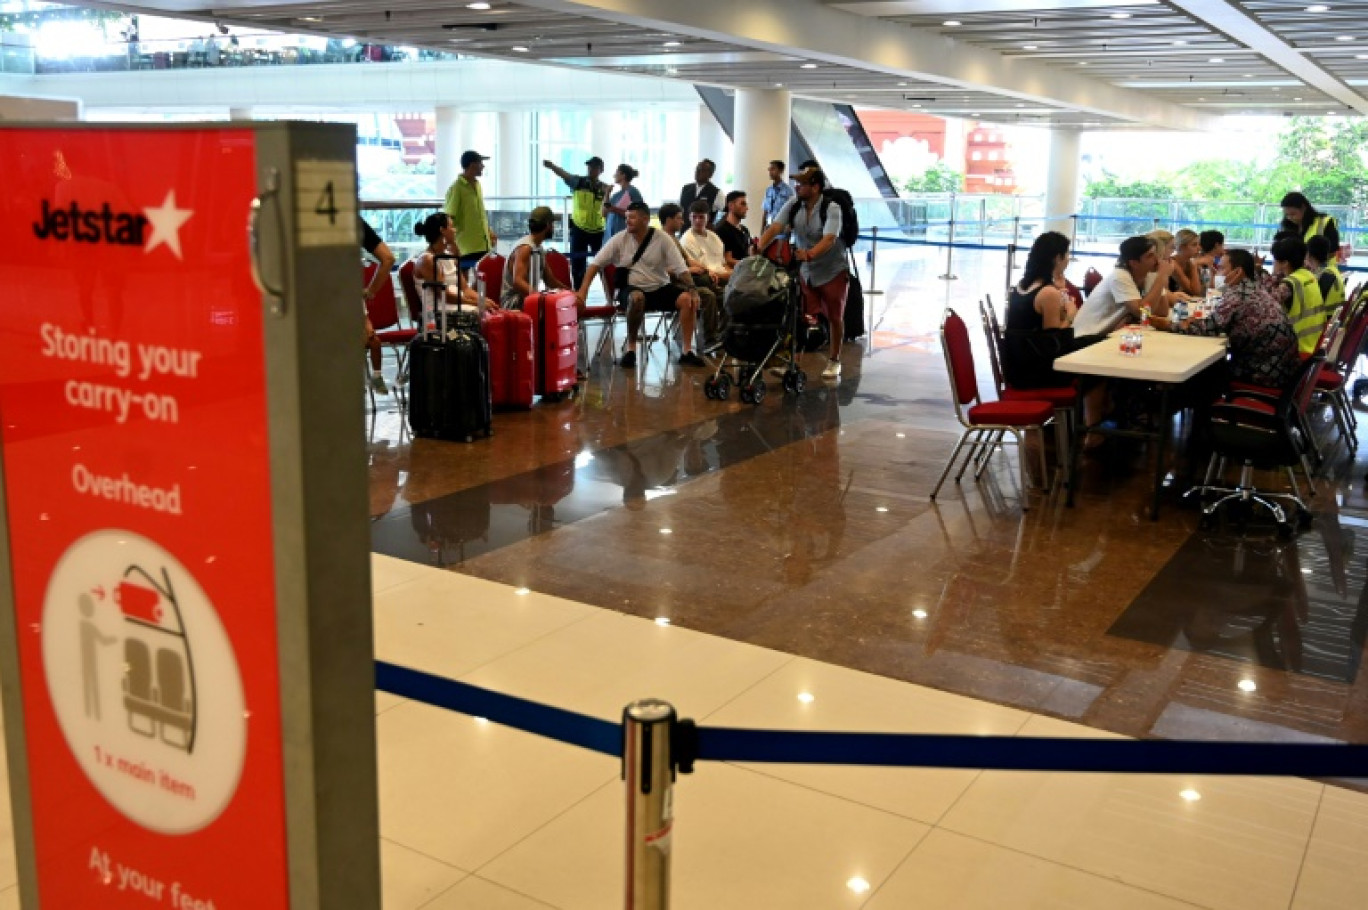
(465, 205)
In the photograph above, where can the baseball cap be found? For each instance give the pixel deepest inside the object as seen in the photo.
(470, 157)
(542, 215)
(595, 161)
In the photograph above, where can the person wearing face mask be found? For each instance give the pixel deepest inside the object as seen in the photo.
(1263, 346)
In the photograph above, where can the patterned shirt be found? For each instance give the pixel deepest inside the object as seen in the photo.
(776, 194)
(1263, 347)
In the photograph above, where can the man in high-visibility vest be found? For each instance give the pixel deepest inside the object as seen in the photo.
(1322, 264)
(1299, 292)
(586, 213)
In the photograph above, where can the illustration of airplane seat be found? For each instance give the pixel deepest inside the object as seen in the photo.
(176, 711)
(139, 694)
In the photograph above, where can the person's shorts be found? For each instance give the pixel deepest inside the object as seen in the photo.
(661, 300)
(828, 299)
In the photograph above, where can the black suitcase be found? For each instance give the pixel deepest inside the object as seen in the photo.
(449, 386)
(449, 394)
(854, 315)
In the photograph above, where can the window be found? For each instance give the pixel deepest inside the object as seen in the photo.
(976, 156)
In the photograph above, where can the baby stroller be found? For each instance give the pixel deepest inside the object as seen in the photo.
(763, 305)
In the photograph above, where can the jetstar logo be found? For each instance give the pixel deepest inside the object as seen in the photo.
(78, 223)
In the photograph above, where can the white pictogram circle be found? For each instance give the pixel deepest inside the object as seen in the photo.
(144, 681)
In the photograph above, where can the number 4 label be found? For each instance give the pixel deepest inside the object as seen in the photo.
(325, 203)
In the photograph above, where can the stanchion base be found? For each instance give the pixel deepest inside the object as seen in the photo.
(873, 293)
(948, 277)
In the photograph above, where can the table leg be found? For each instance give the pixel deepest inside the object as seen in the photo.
(1160, 444)
(1080, 432)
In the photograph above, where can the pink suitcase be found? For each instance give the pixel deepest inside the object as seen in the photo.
(556, 324)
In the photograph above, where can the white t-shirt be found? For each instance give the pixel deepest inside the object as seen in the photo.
(653, 270)
(1105, 308)
(706, 248)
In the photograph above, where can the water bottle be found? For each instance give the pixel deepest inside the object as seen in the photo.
(1180, 311)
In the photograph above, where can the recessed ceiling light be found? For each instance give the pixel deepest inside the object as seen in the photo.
(951, 23)
(916, 105)
(1296, 99)
(672, 44)
(902, 85)
(808, 66)
(1249, 75)
(1201, 99)
(1331, 113)
(778, 85)
(1361, 56)
(1318, 8)
(1021, 105)
(1120, 15)
(973, 113)
(1082, 63)
(1216, 60)
(1028, 47)
(518, 49)
(1179, 43)
(477, 5)
(1344, 37)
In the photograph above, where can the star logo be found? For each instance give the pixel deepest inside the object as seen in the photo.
(166, 223)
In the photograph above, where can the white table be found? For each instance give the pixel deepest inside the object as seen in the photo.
(1165, 358)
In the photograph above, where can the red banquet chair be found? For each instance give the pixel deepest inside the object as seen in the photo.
(985, 423)
(409, 285)
(383, 312)
(491, 269)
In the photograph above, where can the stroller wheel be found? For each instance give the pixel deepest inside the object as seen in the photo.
(710, 388)
(746, 396)
(795, 381)
(757, 391)
(724, 384)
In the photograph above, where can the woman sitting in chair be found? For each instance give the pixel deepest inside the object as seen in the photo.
(428, 269)
(1039, 310)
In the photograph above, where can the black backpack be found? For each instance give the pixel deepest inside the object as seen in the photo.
(850, 222)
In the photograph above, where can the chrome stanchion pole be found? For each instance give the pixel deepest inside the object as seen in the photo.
(983, 221)
(1016, 229)
(1011, 265)
(654, 742)
(873, 260)
(1073, 233)
(950, 246)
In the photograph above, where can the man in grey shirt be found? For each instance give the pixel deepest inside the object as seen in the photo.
(816, 224)
(646, 284)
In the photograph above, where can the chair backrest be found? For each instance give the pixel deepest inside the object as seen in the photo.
(559, 265)
(1298, 396)
(171, 681)
(1350, 341)
(491, 270)
(137, 668)
(1091, 279)
(959, 359)
(382, 310)
(990, 332)
(409, 284)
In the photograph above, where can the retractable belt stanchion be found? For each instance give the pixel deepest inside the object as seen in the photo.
(872, 291)
(950, 246)
(1073, 232)
(1011, 265)
(654, 744)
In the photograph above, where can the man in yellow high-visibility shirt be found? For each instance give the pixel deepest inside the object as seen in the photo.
(1298, 292)
(465, 205)
(586, 213)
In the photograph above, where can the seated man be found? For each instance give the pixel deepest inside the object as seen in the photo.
(736, 239)
(526, 268)
(645, 265)
(1298, 292)
(1117, 299)
(708, 288)
(705, 247)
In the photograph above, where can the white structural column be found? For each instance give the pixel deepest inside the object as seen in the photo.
(1061, 192)
(605, 137)
(714, 144)
(762, 123)
(448, 148)
(512, 160)
(239, 113)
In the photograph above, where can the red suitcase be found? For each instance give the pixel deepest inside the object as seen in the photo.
(512, 357)
(555, 321)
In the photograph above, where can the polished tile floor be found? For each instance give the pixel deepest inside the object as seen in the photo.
(641, 540)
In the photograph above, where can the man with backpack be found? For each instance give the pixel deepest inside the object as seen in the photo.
(816, 222)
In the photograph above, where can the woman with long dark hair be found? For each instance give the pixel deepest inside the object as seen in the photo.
(1039, 314)
(1301, 218)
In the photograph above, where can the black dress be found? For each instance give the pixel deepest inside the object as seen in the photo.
(1028, 348)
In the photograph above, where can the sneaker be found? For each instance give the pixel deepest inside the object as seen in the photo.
(690, 359)
(628, 360)
(378, 384)
(833, 370)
